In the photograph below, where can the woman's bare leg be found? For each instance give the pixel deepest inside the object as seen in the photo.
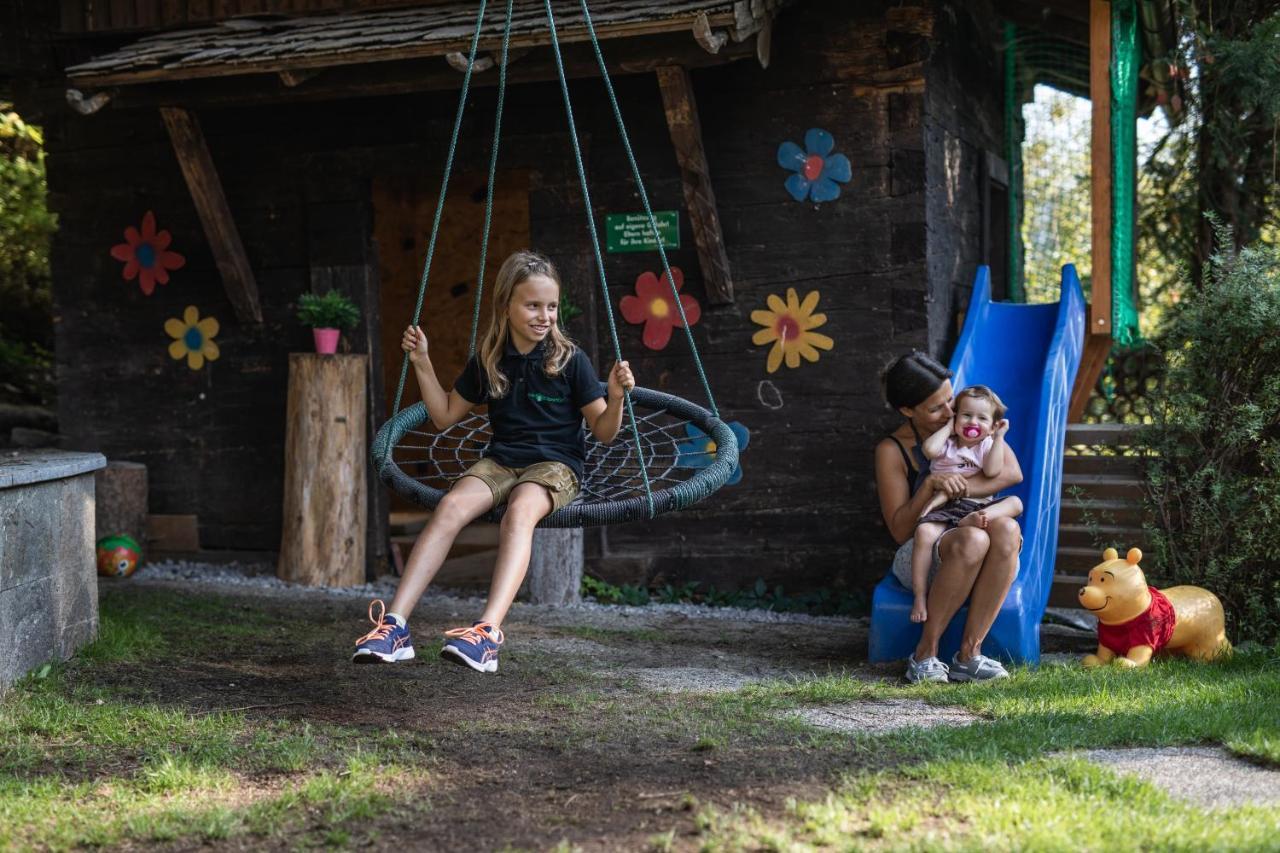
(962, 552)
(529, 503)
(469, 499)
(992, 585)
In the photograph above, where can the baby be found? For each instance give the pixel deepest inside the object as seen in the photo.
(972, 442)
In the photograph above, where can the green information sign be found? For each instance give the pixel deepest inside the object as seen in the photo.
(630, 232)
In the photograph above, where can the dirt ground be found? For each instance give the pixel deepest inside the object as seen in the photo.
(600, 730)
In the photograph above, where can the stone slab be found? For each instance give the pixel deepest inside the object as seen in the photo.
(1207, 776)
(21, 467)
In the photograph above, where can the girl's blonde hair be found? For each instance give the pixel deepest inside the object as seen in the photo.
(982, 392)
(517, 268)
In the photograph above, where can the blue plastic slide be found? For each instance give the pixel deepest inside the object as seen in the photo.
(1029, 355)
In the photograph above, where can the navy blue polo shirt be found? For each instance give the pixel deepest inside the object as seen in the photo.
(540, 418)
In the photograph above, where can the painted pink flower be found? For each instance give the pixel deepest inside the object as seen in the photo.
(655, 306)
(146, 255)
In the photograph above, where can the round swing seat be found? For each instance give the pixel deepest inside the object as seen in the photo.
(688, 453)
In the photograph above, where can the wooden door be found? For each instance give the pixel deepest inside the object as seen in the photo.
(404, 207)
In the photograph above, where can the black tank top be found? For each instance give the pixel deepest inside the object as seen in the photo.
(915, 460)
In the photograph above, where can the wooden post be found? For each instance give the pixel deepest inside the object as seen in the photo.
(120, 503)
(1097, 335)
(555, 569)
(215, 215)
(323, 537)
(686, 136)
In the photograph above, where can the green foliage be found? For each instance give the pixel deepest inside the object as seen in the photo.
(1214, 483)
(606, 593)
(567, 310)
(333, 310)
(1219, 156)
(26, 228)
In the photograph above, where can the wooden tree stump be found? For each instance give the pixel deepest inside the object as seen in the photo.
(121, 501)
(325, 512)
(555, 569)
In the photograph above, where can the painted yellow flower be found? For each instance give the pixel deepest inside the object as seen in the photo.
(193, 338)
(788, 325)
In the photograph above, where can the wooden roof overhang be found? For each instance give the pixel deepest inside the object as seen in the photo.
(254, 60)
(384, 51)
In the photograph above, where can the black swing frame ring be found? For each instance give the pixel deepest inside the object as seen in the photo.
(585, 514)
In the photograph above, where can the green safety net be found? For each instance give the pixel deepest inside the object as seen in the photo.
(1047, 128)
(1125, 59)
(1047, 132)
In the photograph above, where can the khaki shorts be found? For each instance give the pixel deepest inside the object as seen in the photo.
(556, 477)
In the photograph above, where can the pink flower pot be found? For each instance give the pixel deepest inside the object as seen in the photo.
(326, 340)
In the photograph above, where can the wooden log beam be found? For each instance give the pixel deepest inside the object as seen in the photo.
(686, 135)
(1093, 360)
(555, 566)
(1097, 335)
(322, 540)
(1100, 164)
(215, 215)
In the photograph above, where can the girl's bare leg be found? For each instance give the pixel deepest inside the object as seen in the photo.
(921, 559)
(469, 499)
(996, 575)
(962, 552)
(938, 499)
(529, 503)
(1007, 508)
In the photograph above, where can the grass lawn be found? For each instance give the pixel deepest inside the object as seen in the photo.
(207, 718)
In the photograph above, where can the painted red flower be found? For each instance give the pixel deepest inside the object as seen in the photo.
(655, 306)
(146, 256)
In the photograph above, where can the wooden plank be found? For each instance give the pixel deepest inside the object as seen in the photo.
(323, 538)
(1092, 362)
(1097, 338)
(1100, 163)
(686, 135)
(215, 215)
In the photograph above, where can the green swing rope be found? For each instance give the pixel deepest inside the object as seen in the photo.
(493, 171)
(595, 246)
(444, 189)
(578, 162)
(644, 197)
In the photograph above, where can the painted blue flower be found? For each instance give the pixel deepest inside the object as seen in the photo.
(816, 169)
(700, 451)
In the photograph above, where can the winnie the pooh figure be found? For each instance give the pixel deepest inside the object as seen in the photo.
(1135, 621)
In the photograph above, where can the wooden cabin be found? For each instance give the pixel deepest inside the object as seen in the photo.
(294, 146)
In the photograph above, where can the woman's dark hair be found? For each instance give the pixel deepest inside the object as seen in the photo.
(912, 379)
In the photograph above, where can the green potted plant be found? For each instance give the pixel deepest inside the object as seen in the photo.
(327, 316)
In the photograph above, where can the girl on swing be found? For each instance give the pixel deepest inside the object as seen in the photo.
(539, 388)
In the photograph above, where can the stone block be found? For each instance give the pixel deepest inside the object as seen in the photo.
(48, 580)
(28, 636)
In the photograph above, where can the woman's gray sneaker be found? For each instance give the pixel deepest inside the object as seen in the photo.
(977, 668)
(929, 669)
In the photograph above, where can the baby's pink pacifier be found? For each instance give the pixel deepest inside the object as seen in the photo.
(971, 432)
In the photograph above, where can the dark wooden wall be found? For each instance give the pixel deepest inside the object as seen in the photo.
(963, 124)
(298, 181)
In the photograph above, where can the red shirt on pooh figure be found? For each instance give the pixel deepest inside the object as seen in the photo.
(1152, 628)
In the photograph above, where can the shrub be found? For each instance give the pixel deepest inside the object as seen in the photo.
(1214, 444)
(331, 311)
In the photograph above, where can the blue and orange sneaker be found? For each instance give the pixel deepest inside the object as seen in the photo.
(476, 647)
(388, 642)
